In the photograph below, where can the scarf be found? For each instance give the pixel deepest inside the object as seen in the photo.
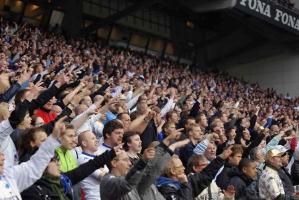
(59, 185)
(55, 185)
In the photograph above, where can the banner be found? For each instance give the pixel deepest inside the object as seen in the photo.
(272, 13)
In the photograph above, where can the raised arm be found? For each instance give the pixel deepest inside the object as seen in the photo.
(28, 172)
(116, 187)
(78, 174)
(200, 181)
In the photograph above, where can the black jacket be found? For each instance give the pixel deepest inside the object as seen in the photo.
(295, 172)
(223, 178)
(149, 135)
(171, 192)
(202, 180)
(286, 181)
(8, 95)
(240, 183)
(186, 152)
(42, 190)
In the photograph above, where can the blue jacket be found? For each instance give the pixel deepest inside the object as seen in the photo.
(8, 95)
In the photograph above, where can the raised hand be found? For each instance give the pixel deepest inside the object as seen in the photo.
(175, 135)
(179, 144)
(36, 88)
(149, 154)
(226, 153)
(118, 149)
(24, 76)
(59, 127)
(62, 79)
(229, 192)
(182, 178)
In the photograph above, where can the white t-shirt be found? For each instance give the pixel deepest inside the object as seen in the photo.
(102, 149)
(91, 184)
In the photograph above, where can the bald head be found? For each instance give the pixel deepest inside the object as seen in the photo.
(88, 142)
(80, 109)
(87, 101)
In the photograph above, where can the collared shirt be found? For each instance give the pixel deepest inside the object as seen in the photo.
(270, 184)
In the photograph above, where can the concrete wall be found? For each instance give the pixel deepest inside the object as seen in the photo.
(280, 72)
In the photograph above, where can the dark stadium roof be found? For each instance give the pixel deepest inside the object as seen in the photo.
(222, 32)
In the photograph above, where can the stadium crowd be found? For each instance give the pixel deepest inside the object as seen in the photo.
(83, 121)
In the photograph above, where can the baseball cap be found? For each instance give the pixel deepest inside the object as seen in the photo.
(276, 151)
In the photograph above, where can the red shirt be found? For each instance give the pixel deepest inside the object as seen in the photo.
(46, 116)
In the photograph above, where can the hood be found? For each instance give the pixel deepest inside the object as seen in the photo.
(162, 181)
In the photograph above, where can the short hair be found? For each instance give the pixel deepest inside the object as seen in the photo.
(167, 125)
(119, 116)
(194, 126)
(127, 139)
(254, 152)
(69, 126)
(195, 160)
(156, 109)
(190, 118)
(169, 115)
(111, 126)
(214, 123)
(169, 165)
(81, 137)
(198, 117)
(20, 95)
(78, 108)
(237, 148)
(245, 162)
(228, 129)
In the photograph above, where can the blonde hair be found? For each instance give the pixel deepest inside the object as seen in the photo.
(169, 166)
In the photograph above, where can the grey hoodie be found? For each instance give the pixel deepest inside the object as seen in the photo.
(123, 188)
(138, 184)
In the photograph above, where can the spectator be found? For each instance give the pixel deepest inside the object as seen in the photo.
(115, 185)
(242, 178)
(132, 145)
(230, 166)
(91, 184)
(64, 154)
(30, 141)
(270, 184)
(55, 185)
(195, 136)
(175, 183)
